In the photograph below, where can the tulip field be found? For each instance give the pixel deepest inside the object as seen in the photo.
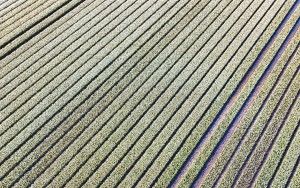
(150, 93)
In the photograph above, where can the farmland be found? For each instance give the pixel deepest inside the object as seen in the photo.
(158, 93)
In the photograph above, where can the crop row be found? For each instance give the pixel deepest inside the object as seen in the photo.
(247, 145)
(23, 123)
(280, 150)
(179, 7)
(20, 31)
(138, 94)
(265, 96)
(182, 96)
(62, 22)
(214, 140)
(149, 93)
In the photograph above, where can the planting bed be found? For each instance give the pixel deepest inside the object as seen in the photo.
(157, 93)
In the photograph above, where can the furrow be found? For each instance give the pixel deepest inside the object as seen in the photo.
(90, 128)
(282, 144)
(294, 177)
(159, 93)
(271, 145)
(270, 123)
(244, 125)
(19, 27)
(171, 98)
(183, 147)
(290, 164)
(169, 5)
(20, 86)
(14, 18)
(27, 38)
(174, 132)
(14, 11)
(5, 4)
(43, 91)
(100, 103)
(254, 131)
(234, 123)
(241, 85)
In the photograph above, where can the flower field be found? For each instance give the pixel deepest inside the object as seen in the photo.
(157, 93)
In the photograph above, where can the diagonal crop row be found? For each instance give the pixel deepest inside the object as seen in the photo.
(15, 6)
(64, 146)
(42, 30)
(268, 130)
(293, 180)
(184, 147)
(10, 22)
(63, 21)
(217, 136)
(289, 165)
(185, 93)
(14, 128)
(230, 132)
(41, 90)
(13, 33)
(16, 73)
(243, 127)
(167, 134)
(262, 150)
(175, 92)
(256, 142)
(148, 54)
(248, 143)
(277, 154)
(7, 6)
